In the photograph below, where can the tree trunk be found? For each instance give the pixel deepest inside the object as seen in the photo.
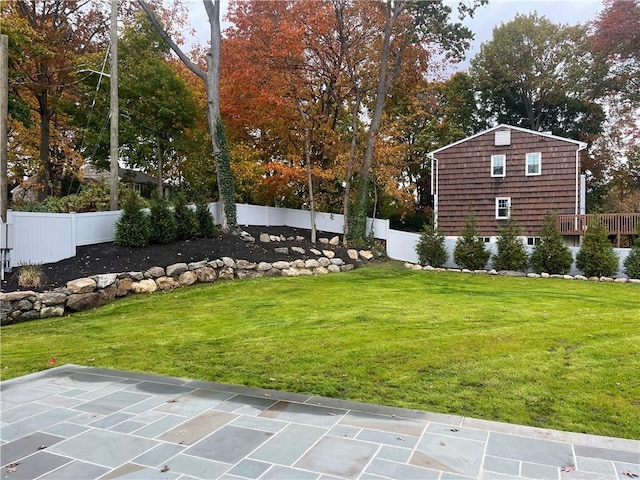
(45, 131)
(307, 156)
(350, 163)
(160, 173)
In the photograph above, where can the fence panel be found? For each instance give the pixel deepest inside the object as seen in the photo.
(41, 237)
(95, 227)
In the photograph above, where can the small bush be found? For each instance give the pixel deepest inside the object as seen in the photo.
(31, 276)
(596, 257)
(430, 248)
(186, 219)
(551, 255)
(133, 228)
(511, 253)
(206, 226)
(632, 262)
(470, 252)
(163, 223)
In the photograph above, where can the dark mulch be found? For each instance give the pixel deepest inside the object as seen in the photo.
(110, 258)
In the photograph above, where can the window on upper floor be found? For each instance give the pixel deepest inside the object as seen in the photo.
(498, 165)
(533, 164)
(503, 208)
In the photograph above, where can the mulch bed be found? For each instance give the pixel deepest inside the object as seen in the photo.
(110, 258)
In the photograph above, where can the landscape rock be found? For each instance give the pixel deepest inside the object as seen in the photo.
(52, 298)
(187, 278)
(53, 311)
(136, 276)
(337, 261)
(299, 238)
(298, 263)
(274, 272)
(242, 274)
(144, 286)
(324, 241)
(154, 272)
(248, 239)
(105, 280)
(265, 238)
(311, 263)
(264, 267)
(282, 250)
(620, 280)
(245, 265)
(333, 269)
(366, 254)
(533, 275)
(197, 265)
(86, 301)
(167, 283)
(124, 287)
(512, 273)
(321, 271)
(352, 254)
(346, 267)
(305, 272)
(334, 240)
(290, 272)
(281, 265)
(24, 305)
(581, 277)
(324, 262)
(228, 262)
(299, 250)
(206, 275)
(315, 251)
(329, 253)
(82, 285)
(13, 296)
(176, 269)
(226, 273)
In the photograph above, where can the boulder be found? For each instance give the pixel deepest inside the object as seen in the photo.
(311, 263)
(144, 286)
(337, 261)
(305, 272)
(52, 298)
(176, 269)
(299, 238)
(512, 273)
(136, 276)
(533, 275)
(333, 269)
(321, 271)
(105, 280)
(13, 296)
(281, 265)
(167, 283)
(346, 267)
(352, 254)
(226, 273)
(24, 305)
(299, 250)
(197, 265)
(187, 278)
(124, 287)
(334, 240)
(53, 311)
(155, 272)
(324, 241)
(86, 301)
(206, 275)
(264, 267)
(282, 250)
(365, 254)
(26, 316)
(265, 238)
(315, 251)
(248, 239)
(290, 272)
(329, 253)
(82, 285)
(274, 272)
(298, 263)
(228, 262)
(324, 262)
(242, 274)
(245, 265)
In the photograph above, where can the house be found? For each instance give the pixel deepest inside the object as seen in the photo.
(138, 181)
(507, 172)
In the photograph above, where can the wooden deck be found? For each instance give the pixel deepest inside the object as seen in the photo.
(618, 224)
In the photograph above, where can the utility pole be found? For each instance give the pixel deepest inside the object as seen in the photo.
(4, 127)
(113, 138)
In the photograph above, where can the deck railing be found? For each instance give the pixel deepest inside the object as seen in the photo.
(617, 223)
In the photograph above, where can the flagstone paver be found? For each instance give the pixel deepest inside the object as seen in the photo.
(73, 422)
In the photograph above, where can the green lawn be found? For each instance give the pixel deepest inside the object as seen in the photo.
(549, 353)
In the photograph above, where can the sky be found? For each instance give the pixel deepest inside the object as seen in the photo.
(486, 18)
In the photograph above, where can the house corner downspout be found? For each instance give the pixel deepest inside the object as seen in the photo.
(579, 191)
(434, 188)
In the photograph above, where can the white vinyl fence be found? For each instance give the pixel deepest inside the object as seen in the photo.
(49, 237)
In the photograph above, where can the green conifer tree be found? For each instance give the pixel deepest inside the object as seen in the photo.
(596, 257)
(470, 252)
(551, 255)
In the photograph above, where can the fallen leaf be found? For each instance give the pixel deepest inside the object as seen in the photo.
(267, 394)
(400, 438)
(173, 400)
(331, 414)
(567, 468)
(455, 430)
(93, 415)
(91, 360)
(629, 473)
(12, 467)
(52, 361)
(165, 469)
(42, 447)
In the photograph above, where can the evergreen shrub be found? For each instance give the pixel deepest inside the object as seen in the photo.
(163, 223)
(430, 247)
(551, 255)
(632, 262)
(470, 252)
(511, 253)
(186, 219)
(206, 225)
(597, 257)
(133, 228)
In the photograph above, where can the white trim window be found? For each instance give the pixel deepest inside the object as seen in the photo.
(498, 165)
(503, 208)
(533, 164)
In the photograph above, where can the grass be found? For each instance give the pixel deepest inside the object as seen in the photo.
(548, 353)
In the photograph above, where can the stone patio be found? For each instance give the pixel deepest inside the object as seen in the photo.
(74, 422)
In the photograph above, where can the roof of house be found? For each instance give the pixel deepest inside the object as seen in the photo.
(581, 145)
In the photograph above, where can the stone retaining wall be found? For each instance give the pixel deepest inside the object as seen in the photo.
(510, 273)
(92, 292)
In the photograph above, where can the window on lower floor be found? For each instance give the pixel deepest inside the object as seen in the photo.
(533, 240)
(503, 207)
